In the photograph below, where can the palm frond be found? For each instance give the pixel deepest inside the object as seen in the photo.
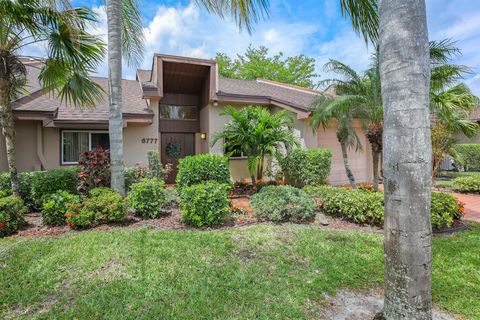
(363, 15)
(245, 12)
(133, 38)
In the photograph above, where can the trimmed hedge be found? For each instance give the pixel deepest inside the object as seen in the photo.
(205, 204)
(51, 181)
(147, 197)
(467, 184)
(283, 203)
(303, 167)
(467, 156)
(363, 206)
(11, 214)
(204, 167)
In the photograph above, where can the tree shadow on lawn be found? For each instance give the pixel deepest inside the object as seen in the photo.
(263, 271)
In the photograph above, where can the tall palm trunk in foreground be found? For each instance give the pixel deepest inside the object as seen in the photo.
(115, 121)
(8, 125)
(405, 76)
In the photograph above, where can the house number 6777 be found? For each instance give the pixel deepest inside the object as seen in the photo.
(149, 140)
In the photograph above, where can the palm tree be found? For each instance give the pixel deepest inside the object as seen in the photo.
(451, 102)
(405, 80)
(360, 97)
(407, 163)
(256, 133)
(343, 111)
(125, 34)
(70, 56)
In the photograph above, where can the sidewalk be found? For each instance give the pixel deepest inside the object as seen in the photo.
(472, 205)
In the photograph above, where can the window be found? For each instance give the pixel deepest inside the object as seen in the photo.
(76, 142)
(170, 112)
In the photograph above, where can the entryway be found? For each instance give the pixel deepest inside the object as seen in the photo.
(175, 146)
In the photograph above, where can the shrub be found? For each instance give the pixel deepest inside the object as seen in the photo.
(25, 184)
(102, 206)
(147, 197)
(445, 209)
(467, 156)
(95, 169)
(467, 184)
(133, 175)
(155, 169)
(11, 214)
(204, 167)
(303, 167)
(283, 203)
(363, 206)
(55, 207)
(205, 204)
(48, 182)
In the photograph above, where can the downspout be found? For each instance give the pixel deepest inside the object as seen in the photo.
(43, 162)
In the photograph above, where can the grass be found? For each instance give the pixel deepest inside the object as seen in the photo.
(444, 184)
(261, 272)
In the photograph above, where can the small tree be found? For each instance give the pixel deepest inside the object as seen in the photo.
(257, 133)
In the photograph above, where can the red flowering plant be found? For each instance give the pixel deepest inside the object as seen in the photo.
(95, 165)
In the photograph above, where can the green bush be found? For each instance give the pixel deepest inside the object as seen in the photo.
(25, 184)
(155, 169)
(363, 206)
(11, 214)
(205, 204)
(133, 175)
(467, 156)
(103, 205)
(204, 167)
(55, 207)
(283, 203)
(303, 167)
(445, 209)
(48, 182)
(467, 184)
(147, 197)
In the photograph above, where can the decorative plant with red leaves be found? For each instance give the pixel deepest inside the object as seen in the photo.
(95, 172)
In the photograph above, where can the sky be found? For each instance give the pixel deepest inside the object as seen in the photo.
(311, 27)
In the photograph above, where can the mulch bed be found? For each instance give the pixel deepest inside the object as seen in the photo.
(173, 221)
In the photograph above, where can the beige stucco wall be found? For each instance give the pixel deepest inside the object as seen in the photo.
(26, 144)
(134, 150)
(25, 147)
(360, 161)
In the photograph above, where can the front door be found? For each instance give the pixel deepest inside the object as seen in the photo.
(174, 147)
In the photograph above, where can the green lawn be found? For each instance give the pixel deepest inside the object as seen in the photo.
(262, 272)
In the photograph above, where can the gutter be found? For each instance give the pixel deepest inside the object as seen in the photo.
(43, 161)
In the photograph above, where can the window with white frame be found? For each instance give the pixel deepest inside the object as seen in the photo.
(76, 142)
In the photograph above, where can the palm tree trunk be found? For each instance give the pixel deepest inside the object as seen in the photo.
(115, 121)
(405, 76)
(375, 158)
(347, 166)
(7, 124)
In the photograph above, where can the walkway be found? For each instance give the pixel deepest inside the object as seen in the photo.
(472, 205)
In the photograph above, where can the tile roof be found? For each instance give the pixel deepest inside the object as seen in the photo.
(133, 102)
(296, 96)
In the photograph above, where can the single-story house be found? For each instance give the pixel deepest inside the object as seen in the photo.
(177, 101)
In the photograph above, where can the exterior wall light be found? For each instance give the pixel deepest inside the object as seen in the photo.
(203, 136)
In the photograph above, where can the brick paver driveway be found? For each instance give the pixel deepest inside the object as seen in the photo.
(472, 205)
